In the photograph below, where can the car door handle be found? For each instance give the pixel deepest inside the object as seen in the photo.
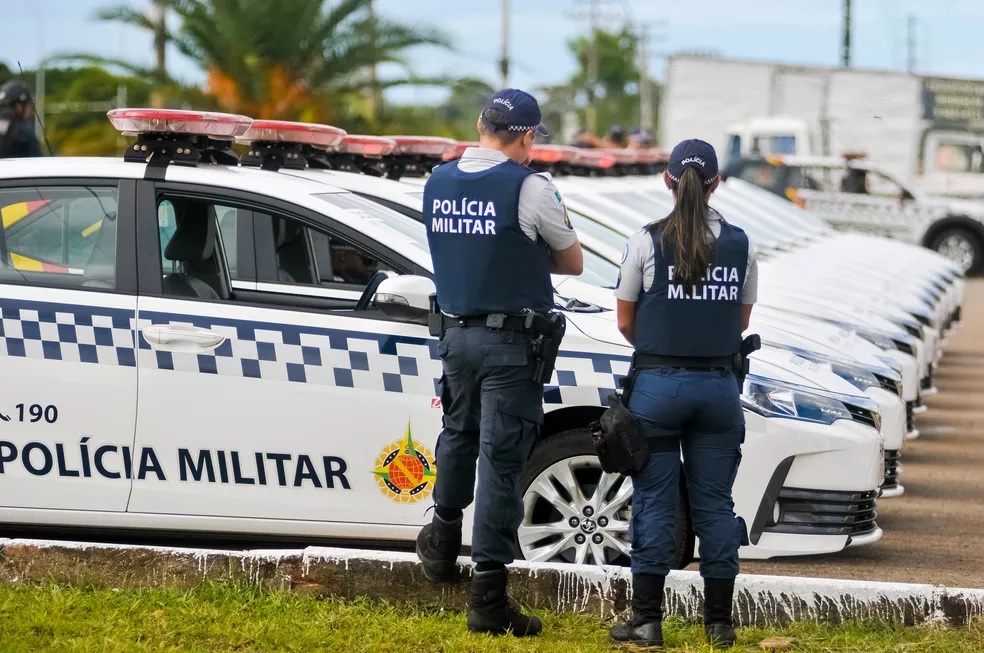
(181, 338)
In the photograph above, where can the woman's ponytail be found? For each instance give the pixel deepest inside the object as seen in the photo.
(686, 233)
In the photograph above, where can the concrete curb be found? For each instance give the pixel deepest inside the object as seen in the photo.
(397, 577)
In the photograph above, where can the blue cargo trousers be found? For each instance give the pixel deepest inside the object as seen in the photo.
(493, 411)
(699, 413)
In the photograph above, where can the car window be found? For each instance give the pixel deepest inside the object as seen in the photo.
(167, 222)
(763, 175)
(406, 229)
(63, 236)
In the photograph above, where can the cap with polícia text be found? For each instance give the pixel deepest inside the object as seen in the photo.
(696, 154)
(513, 110)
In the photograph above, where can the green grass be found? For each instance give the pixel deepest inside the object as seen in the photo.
(223, 618)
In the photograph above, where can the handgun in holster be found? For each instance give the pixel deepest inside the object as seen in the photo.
(741, 366)
(435, 319)
(546, 332)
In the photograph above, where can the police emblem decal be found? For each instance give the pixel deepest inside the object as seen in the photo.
(567, 220)
(406, 470)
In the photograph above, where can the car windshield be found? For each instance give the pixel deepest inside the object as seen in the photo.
(403, 228)
(598, 271)
(597, 231)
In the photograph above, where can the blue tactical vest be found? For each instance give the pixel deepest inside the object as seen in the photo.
(483, 261)
(701, 321)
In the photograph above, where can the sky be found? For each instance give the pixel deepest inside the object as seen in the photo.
(948, 41)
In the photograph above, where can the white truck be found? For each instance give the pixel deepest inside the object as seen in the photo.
(927, 131)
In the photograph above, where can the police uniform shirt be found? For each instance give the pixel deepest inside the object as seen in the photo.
(541, 209)
(639, 265)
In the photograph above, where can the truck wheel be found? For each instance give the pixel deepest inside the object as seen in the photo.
(962, 246)
(573, 512)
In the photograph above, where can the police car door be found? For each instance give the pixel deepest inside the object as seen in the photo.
(269, 404)
(67, 307)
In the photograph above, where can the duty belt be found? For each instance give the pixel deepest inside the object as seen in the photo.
(651, 361)
(515, 323)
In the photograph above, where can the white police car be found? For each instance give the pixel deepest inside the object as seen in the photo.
(216, 349)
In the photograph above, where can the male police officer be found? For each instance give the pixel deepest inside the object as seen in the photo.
(496, 230)
(17, 137)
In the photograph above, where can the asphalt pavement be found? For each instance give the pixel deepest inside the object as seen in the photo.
(934, 533)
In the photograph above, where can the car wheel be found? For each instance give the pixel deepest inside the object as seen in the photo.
(576, 513)
(962, 246)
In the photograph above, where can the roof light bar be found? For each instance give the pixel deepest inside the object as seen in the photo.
(217, 126)
(622, 156)
(590, 158)
(368, 146)
(458, 150)
(649, 156)
(553, 153)
(282, 131)
(434, 146)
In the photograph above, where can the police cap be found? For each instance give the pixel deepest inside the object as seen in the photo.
(513, 110)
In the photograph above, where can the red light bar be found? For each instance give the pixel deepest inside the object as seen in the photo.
(458, 150)
(282, 131)
(553, 153)
(423, 145)
(594, 158)
(366, 145)
(621, 155)
(220, 126)
(652, 155)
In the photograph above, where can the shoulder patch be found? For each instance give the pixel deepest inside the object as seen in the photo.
(558, 198)
(567, 220)
(625, 254)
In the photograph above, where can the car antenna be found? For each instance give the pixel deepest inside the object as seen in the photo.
(30, 94)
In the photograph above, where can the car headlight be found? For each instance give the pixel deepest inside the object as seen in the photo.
(775, 399)
(857, 376)
(892, 363)
(876, 338)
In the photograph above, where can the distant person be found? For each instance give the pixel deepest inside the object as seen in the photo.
(616, 137)
(585, 139)
(17, 135)
(640, 138)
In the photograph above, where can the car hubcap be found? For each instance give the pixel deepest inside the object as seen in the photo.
(958, 249)
(576, 513)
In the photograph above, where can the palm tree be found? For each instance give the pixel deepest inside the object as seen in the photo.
(296, 59)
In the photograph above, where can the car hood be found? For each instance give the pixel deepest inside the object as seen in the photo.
(769, 362)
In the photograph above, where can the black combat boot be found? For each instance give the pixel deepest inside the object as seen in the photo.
(718, 627)
(492, 611)
(644, 631)
(438, 546)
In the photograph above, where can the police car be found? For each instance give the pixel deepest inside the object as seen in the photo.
(237, 351)
(853, 192)
(849, 360)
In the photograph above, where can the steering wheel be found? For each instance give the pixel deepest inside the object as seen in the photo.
(378, 278)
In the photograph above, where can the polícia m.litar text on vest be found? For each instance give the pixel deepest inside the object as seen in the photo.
(464, 217)
(720, 283)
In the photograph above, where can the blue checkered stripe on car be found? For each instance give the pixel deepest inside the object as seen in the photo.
(66, 332)
(272, 351)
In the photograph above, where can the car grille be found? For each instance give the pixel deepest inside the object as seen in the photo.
(905, 347)
(927, 381)
(910, 416)
(913, 331)
(819, 512)
(888, 384)
(925, 320)
(863, 415)
(892, 457)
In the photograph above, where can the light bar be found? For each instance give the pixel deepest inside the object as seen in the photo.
(594, 158)
(553, 153)
(219, 126)
(621, 155)
(423, 145)
(458, 150)
(282, 131)
(373, 146)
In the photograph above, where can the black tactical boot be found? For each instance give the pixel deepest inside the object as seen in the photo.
(644, 631)
(718, 627)
(438, 545)
(492, 611)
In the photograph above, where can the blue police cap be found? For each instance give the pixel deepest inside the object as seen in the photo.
(521, 111)
(696, 154)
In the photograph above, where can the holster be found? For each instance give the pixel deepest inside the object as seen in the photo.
(546, 333)
(750, 344)
(435, 323)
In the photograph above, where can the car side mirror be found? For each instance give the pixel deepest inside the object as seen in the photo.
(907, 196)
(405, 298)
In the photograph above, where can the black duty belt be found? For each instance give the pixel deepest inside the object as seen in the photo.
(516, 323)
(651, 361)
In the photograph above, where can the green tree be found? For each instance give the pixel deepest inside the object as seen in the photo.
(296, 60)
(616, 92)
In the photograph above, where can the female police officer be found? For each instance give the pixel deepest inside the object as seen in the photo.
(685, 293)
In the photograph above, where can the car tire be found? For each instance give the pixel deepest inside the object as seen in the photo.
(960, 238)
(574, 450)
